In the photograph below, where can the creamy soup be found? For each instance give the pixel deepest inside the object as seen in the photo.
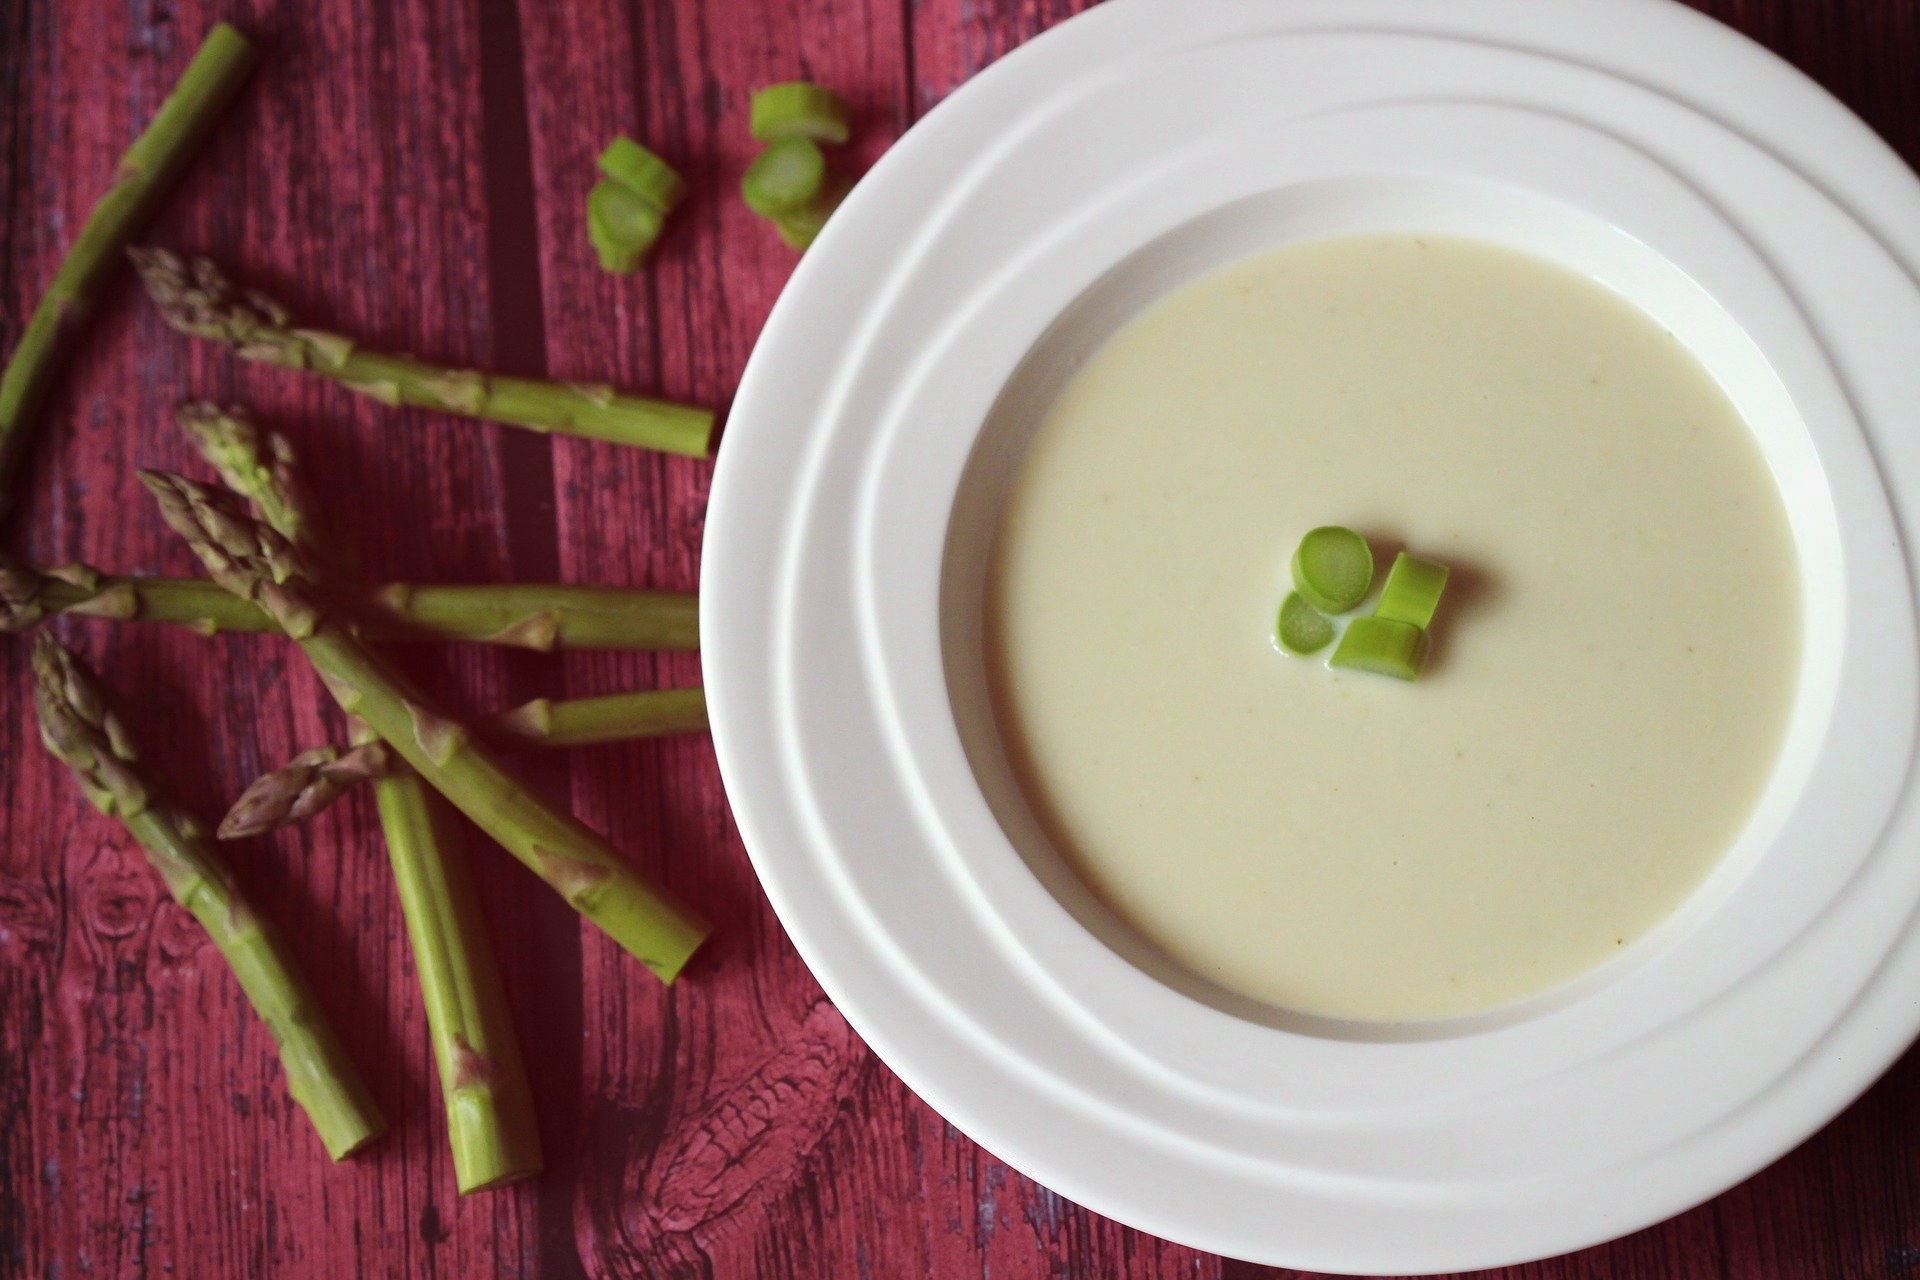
(1612, 664)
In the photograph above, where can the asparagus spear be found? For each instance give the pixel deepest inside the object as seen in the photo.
(259, 467)
(314, 779)
(147, 172)
(543, 616)
(533, 616)
(302, 787)
(197, 299)
(616, 717)
(79, 728)
(490, 1122)
(251, 560)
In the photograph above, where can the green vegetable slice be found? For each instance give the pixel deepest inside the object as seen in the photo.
(1382, 646)
(643, 173)
(799, 231)
(621, 225)
(1412, 590)
(798, 109)
(799, 226)
(1333, 568)
(1303, 629)
(784, 177)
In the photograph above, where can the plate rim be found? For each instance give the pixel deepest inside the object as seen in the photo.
(812, 277)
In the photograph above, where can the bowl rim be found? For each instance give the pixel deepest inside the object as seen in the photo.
(837, 292)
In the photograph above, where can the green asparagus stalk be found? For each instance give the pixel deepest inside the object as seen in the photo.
(490, 1122)
(79, 728)
(543, 616)
(314, 779)
(259, 467)
(617, 717)
(252, 561)
(147, 171)
(197, 299)
(305, 785)
(531, 616)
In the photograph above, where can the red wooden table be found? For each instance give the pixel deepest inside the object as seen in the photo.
(412, 172)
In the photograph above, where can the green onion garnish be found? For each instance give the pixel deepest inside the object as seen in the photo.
(643, 173)
(1302, 629)
(1333, 568)
(798, 109)
(622, 225)
(1412, 590)
(784, 177)
(1382, 646)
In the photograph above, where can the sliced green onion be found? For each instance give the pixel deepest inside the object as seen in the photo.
(1382, 646)
(784, 177)
(622, 225)
(643, 173)
(1412, 590)
(1333, 568)
(798, 109)
(1303, 629)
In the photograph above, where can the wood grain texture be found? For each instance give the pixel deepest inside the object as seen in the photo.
(413, 171)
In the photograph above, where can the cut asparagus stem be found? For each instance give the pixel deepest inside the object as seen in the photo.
(643, 173)
(197, 299)
(784, 177)
(78, 727)
(147, 172)
(625, 213)
(579, 722)
(539, 616)
(621, 226)
(1302, 628)
(529, 616)
(490, 1121)
(1412, 590)
(252, 561)
(1333, 568)
(314, 779)
(800, 227)
(798, 109)
(1382, 646)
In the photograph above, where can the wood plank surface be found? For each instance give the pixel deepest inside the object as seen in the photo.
(412, 172)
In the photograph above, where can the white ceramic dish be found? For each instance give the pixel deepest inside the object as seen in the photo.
(1004, 238)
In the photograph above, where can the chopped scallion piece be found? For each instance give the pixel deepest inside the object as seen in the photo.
(622, 225)
(1382, 646)
(643, 173)
(798, 109)
(1302, 629)
(784, 177)
(1412, 590)
(1333, 568)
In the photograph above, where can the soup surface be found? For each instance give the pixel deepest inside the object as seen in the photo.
(1613, 661)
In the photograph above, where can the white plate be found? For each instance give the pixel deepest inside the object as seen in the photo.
(1005, 237)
